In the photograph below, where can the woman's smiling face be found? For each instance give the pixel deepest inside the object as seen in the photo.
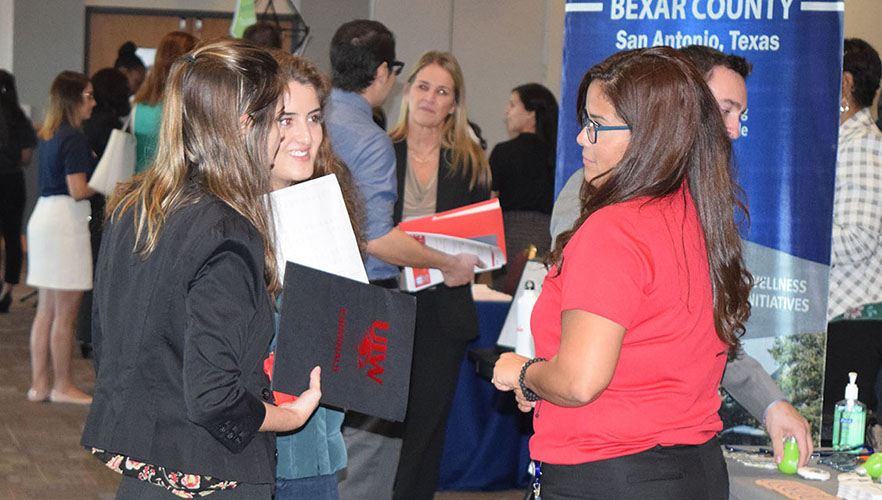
(301, 130)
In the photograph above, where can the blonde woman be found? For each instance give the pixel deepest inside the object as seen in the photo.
(439, 168)
(183, 302)
(59, 249)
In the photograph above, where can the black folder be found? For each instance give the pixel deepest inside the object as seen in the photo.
(361, 335)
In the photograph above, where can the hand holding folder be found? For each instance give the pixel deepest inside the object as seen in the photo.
(475, 229)
(361, 335)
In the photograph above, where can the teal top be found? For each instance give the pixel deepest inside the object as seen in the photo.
(317, 448)
(146, 129)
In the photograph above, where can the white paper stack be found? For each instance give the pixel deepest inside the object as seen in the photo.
(313, 229)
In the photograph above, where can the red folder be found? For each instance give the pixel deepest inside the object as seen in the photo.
(479, 221)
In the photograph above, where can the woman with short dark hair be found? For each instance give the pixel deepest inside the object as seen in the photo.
(131, 66)
(854, 310)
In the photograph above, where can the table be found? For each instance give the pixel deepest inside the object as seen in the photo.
(742, 482)
(485, 447)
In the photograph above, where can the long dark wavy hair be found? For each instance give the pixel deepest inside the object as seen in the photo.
(298, 69)
(677, 135)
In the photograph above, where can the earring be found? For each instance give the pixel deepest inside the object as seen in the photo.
(843, 106)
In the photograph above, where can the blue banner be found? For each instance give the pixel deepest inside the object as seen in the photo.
(785, 159)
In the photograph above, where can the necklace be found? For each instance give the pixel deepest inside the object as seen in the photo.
(427, 157)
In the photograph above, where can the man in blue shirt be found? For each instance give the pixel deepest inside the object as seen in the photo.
(363, 70)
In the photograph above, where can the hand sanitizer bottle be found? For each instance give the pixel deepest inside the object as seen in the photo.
(524, 310)
(849, 420)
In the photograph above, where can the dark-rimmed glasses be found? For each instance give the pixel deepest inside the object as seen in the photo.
(592, 127)
(396, 67)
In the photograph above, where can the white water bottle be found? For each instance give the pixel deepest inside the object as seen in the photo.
(524, 309)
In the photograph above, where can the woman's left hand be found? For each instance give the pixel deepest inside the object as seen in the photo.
(507, 371)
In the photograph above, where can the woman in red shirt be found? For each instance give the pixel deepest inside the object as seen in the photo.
(646, 296)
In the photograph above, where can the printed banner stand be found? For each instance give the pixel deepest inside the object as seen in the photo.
(785, 159)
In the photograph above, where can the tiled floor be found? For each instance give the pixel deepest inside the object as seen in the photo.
(40, 457)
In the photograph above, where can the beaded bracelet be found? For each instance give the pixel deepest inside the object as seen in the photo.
(528, 394)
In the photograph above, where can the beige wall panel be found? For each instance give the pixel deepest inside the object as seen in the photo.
(214, 5)
(418, 25)
(863, 19)
(554, 34)
(500, 44)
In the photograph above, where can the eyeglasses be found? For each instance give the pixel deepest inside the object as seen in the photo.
(592, 127)
(89, 95)
(396, 67)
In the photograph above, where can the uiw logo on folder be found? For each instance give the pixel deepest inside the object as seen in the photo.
(373, 351)
(361, 335)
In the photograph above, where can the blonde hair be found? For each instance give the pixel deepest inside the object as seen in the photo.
(65, 100)
(171, 48)
(468, 160)
(204, 147)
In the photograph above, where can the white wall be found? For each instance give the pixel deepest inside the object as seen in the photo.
(6, 23)
(863, 19)
(499, 44)
(209, 5)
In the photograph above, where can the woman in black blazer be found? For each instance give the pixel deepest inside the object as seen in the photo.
(183, 307)
(440, 168)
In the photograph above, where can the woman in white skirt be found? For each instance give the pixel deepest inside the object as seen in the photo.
(59, 251)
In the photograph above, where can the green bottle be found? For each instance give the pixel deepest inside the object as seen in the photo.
(850, 419)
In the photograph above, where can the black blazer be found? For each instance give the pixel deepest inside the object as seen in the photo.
(450, 310)
(180, 338)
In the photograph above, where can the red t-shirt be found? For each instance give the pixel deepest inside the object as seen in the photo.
(642, 264)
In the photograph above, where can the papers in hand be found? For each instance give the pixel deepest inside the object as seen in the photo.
(313, 229)
(475, 229)
(416, 279)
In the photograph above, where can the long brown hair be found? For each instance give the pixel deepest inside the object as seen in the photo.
(302, 71)
(677, 135)
(205, 149)
(171, 48)
(469, 160)
(65, 100)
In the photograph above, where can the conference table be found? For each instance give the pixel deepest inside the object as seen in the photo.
(486, 445)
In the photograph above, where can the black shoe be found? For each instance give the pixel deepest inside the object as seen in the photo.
(86, 350)
(5, 302)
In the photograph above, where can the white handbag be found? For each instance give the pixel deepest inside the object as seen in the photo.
(117, 163)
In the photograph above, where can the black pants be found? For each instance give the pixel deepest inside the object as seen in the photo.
(679, 472)
(96, 229)
(12, 202)
(852, 346)
(437, 358)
